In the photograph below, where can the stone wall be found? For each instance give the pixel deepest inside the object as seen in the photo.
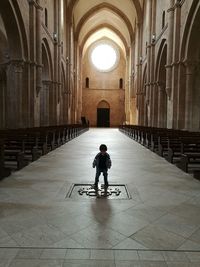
(103, 86)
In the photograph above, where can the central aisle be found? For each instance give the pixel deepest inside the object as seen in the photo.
(38, 224)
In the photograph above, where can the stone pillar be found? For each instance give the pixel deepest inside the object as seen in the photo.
(38, 47)
(169, 63)
(138, 107)
(137, 74)
(77, 117)
(3, 85)
(147, 101)
(14, 94)
(170, 48)
(152, 88)
(59, 103)
(154, 105)
(190, 68)
(175, 64)
(79, 85)
(44, 105)
(141, 108)
(52, 100)
(181, 96)
(35, 67)
(161, 104)
(32, 66)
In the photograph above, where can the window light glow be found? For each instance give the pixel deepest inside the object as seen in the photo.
(104, 57)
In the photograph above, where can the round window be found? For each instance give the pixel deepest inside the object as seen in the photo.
(104, 56)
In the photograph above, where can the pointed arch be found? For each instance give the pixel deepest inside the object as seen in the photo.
(15, 29)
(109, 7)
(103, 104)
(136, 4)
(159, 58)
(47, 59)
(105, 25)
(192, 24)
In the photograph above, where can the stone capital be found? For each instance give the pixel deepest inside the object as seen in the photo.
(17, 65)
(168, 66)
(47, 82)
(35, 4)
(147, 84)
(168, 91)
(161, 85)
(175, 64)
(175, 4)
(147, 101)
(190, 66)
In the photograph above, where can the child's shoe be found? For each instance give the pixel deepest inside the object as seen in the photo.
(95, 186)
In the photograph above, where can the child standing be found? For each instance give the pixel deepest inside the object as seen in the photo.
(102, 162)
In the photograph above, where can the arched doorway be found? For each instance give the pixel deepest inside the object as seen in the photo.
(103, 114)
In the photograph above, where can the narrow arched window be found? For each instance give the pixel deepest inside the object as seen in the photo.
(46, 17)
(163, 19)
(121, 83)
(87, 82)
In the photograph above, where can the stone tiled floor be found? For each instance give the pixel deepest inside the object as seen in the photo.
(158, 226)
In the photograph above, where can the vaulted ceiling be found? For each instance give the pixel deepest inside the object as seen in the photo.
(112, 19)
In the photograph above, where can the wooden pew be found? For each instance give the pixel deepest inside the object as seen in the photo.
(4, 172)
(190, 162)
(20, 146)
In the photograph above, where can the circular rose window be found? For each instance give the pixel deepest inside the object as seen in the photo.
(104, 56)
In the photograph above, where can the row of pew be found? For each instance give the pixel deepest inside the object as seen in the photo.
(180, 147)
(19, 147)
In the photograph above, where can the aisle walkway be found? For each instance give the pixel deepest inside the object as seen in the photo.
(158, 226)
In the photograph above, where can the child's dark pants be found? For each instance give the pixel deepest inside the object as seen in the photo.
(105, 175)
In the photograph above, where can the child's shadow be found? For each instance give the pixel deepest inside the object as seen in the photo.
(101, 209)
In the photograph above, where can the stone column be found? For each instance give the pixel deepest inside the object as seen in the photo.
(169, 62)
(190, 68)
(44, 96)
(138, 72)
(170, 48)
(59, 103)
(141, 108)
(35, 68)
(153, 111)
(68, 62)
(77, 117)
(51, 102)
(154, 105)
(38, 47)
(32, 66)
(175, 64)
(14, 94)
(161, 104)
(3, 81)
(181, 96)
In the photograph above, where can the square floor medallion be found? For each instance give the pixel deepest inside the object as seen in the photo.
(88, 191)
